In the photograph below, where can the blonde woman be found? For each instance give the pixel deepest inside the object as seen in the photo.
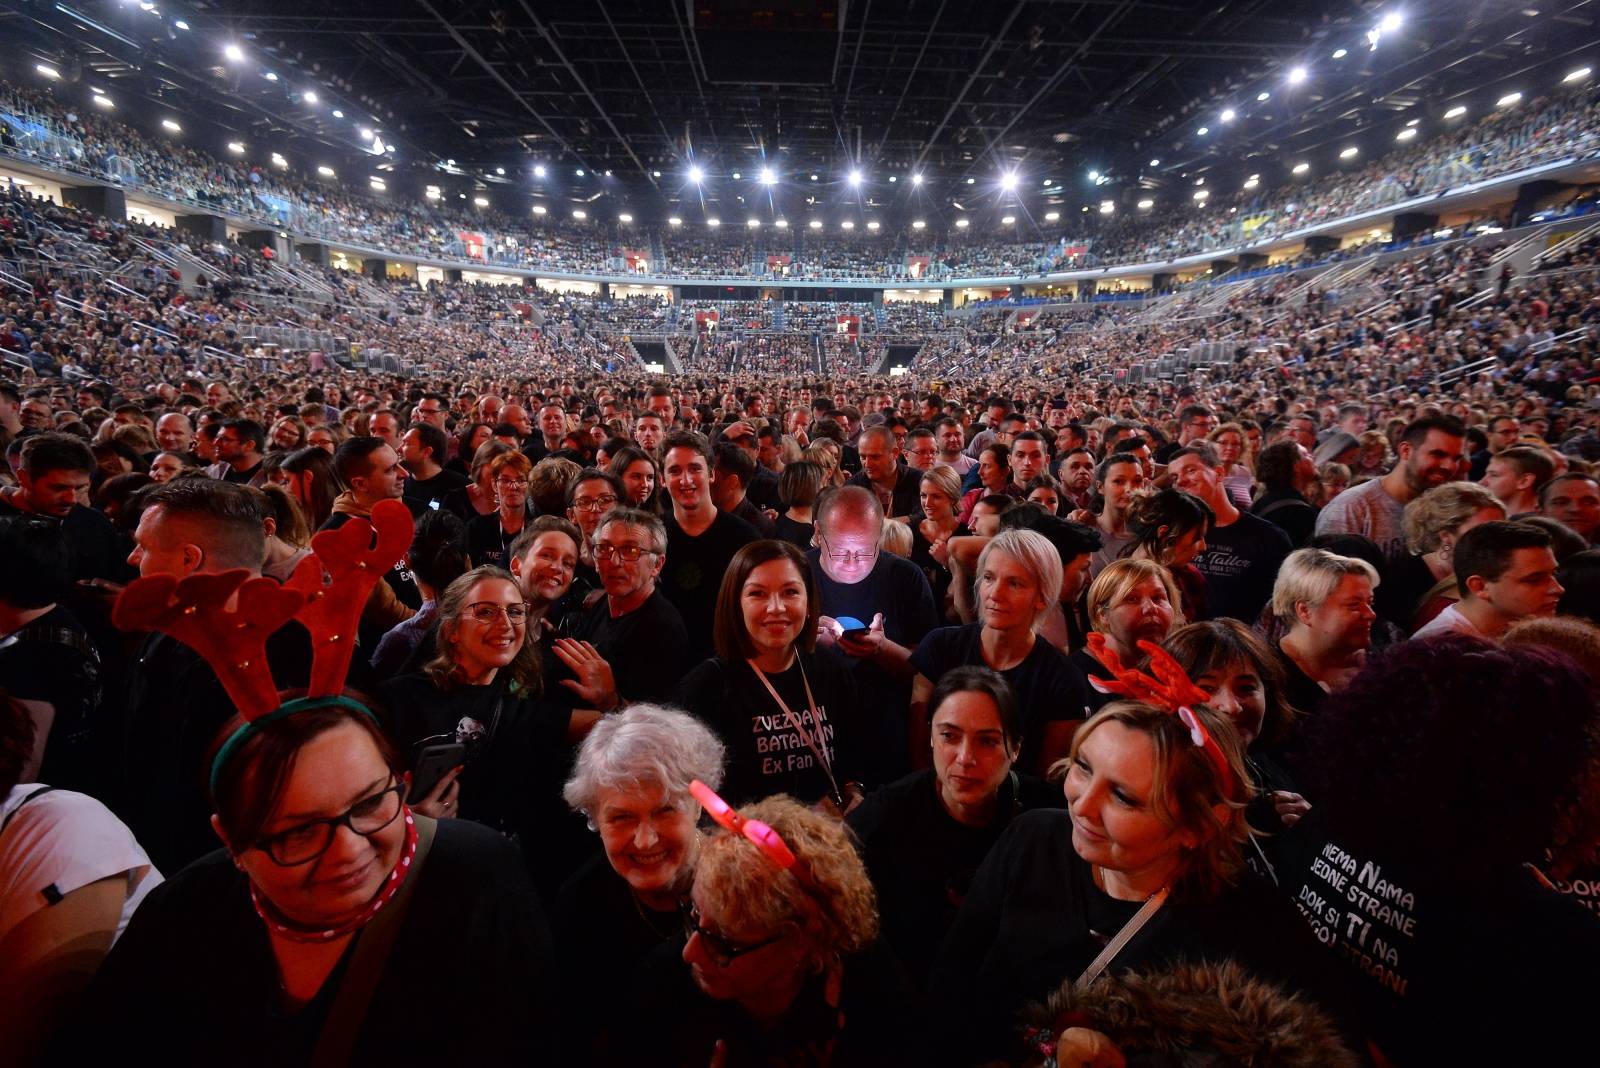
(1129, 602)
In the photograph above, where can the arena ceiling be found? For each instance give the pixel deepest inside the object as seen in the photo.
(633, 92)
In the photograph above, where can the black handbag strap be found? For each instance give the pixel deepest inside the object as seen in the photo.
(349, 1009)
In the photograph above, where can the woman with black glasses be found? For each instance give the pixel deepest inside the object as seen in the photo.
(489, 537)
(482, 690)
(304, 942)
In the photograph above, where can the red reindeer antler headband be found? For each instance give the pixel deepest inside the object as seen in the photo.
(326, 594)
(1168, 688)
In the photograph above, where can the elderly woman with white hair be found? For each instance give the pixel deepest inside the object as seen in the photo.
(1019, 577)
(631, 782)
(1326, 602)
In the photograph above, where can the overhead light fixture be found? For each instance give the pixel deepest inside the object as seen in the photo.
(432, 193)
(655, 174)
(234, 52)
(1301, 168)
(378, 184)
(325, 171)
(1146, 205)
(1389, 23)
(1252, 183)
(696, 175)
(1263, 95)
(608, 174)
(180, 24)
(813, 177)
(338, 114)
(1340, 53)
(539, 209)
(916, 179)
(1297, 75)
(1094, 176)
(104, 101)
(174, 127)
(847, 225)
(1201, 194)
(1052, 216)
(1204, 130)
(893, 179)
(1107, 207)
(1507, 100)
(1008, 181)
(310, 96)
(47, 70)
(580, 172)
(1155, 163)
(767, 177)
(269, 76)
(1228, 114)
(279, 161)
(782, 224)
(918, 224)
(713, 222)
(754, 224)
(579, 214)
(736, 175)
(1407, 134)
(1350, 152)
(235, 147)
(873, 225)
(855, 177)
(625, 218)
(482, 202)
(815, 224)
(970, 181)
(1456, 112)
(961, 224)
(1578, 75)
(500, 170)
(1199, 181)
(366, 135)
(1008, 220)
(675, 221)
(538, 170)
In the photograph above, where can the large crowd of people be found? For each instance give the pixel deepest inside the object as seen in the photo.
(1044, 704)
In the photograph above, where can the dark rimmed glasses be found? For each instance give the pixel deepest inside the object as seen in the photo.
(721, 951)
(308, 841)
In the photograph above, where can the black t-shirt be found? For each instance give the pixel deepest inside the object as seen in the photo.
(1290, 512)
(693, 573)
(648, 649)
(766, 755)
(1486, 970)
(488, 542)
(603, 934)
(193, 979)
(1240, 565)
(421, 494)
(1034, 919)
(99, 550)
(794, 532)
(922, 860)
(896, 588)
(748, 511)
(1048, 688)
(52, 659)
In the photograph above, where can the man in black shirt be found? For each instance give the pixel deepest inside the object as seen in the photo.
(552, 428)
(1243, 552)
(240, 444)
(55, 470)
(701, 540)
(896, 487)
(734, 470)
(422, 450)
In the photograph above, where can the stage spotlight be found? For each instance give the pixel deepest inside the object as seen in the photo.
(309, 96)
(855, 178)
(696, 175)
(235, 53)
(1228, 114)
(1008, 181)
(916, 179)
(767, 177)
(235, 147)
(1297, 75)
(538, 170)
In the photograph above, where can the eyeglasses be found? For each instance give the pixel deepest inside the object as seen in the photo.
(860, 556)
(629, 553)
(511, 483)
(305, 843)
(487, 612)
(593, 504)
(721, 951)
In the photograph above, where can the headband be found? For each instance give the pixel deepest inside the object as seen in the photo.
(326, 595)
(1166, 687)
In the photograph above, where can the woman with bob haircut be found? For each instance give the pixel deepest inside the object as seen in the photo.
(489, 537)
(1152, 840)
(274, 941)
(1018, 582)
(786, 709)
(1421, 584)
(799, 486)
(925, 836)
(1326, 602)
(1129, 602)
(1440, 802)
(631, 784)
(781, 965)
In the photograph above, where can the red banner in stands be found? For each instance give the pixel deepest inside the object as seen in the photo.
(524, 310)
(706, 320)
(1024, 318)
(917, 266)
(474, 243)
(848, 324)
(638, 260)
(778, 264)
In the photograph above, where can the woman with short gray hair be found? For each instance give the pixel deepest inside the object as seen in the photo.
(631, 782)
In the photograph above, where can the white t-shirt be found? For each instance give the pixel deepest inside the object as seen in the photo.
(1450, 621)
(59, 842)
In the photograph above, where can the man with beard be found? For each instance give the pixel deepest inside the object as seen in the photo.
(1430, 450)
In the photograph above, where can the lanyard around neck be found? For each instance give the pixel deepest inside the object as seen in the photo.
(1122, 938)
(824, 761)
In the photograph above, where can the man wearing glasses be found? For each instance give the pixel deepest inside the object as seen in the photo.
(855, 579)
(433, 409)
(634, 624)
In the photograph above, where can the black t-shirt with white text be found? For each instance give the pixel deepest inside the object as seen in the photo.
(1240, 565)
